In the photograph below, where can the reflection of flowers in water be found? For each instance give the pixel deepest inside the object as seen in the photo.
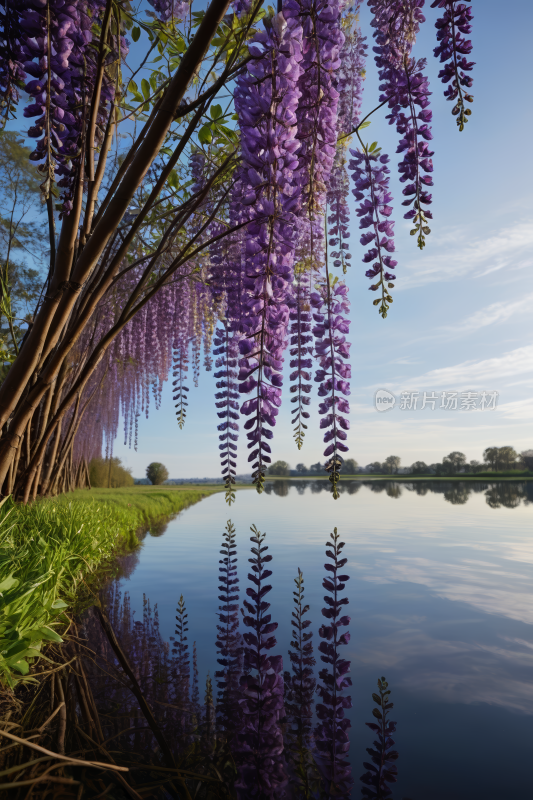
(263, 716)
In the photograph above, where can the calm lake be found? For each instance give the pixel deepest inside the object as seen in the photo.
(441, 604)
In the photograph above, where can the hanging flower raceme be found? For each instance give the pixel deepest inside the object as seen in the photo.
(12, 58)
(266, 103)
(63, 64)
(452, 51)
(317, 111)
(227, 401)
(259, 753)
(301, 349)
(331, 736)
(331, 305)
(350, 88)
(415, 131)
(405, 89)
(371, 178)
(179, 372)
(170, 10)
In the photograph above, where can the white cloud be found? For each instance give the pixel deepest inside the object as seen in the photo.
(485, 374)
(519, 409)
(496, 312)
(458, 256)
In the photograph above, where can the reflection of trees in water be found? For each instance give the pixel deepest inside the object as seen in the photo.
(509, 494)
(394, 490)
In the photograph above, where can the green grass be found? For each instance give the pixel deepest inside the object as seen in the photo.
(50, 548)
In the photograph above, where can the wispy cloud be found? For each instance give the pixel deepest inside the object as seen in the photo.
(492, 314)
(519, 409)
(459, 256)
(485, 374)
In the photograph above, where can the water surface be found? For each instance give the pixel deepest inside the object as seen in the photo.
(441, 604)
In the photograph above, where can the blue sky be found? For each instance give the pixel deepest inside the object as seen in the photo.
(461, 318)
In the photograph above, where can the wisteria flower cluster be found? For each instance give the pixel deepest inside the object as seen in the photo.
(332, 351)
(350, 88)
(452, 51)
(67, 83)
(301, 349)
(261, 220)
(371, 178)
(270, 84)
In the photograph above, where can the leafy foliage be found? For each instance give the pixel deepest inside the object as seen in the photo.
(156, 473)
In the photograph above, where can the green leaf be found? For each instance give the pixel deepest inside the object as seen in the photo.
(375, 712)
(216, 112)
(49, 635)
(373, 146)
(376, 698)
(365, 124)
(59, 604)
(136, 34)
(173, 179)
(133, 87)
(8, 583)
(181, 46)
(205, 136)
(145, 86)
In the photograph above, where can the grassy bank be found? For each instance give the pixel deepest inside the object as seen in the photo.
(48, 549)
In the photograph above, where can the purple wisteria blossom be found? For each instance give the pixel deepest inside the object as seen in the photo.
(349, 84)
(371, 178)
(181, 367)
(170, 10)
(12, 58)
(301, 349)
(331, 736)
(229, 643)
(227, 400)
(415, 131)
(331, 305)
(260, 746)
(451, 51)
(299, 691)
(406, 89)
(382, 770)
(59, 57)
(317, 111)
(266, 102)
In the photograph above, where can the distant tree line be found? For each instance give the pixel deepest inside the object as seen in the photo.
(281, 469)
(495, 459)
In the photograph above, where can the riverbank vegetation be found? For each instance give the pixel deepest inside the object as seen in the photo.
(50, 550)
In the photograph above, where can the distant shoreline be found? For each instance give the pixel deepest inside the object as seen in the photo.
(483, 478)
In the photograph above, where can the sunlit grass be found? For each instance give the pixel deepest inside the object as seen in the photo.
(50, 548)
